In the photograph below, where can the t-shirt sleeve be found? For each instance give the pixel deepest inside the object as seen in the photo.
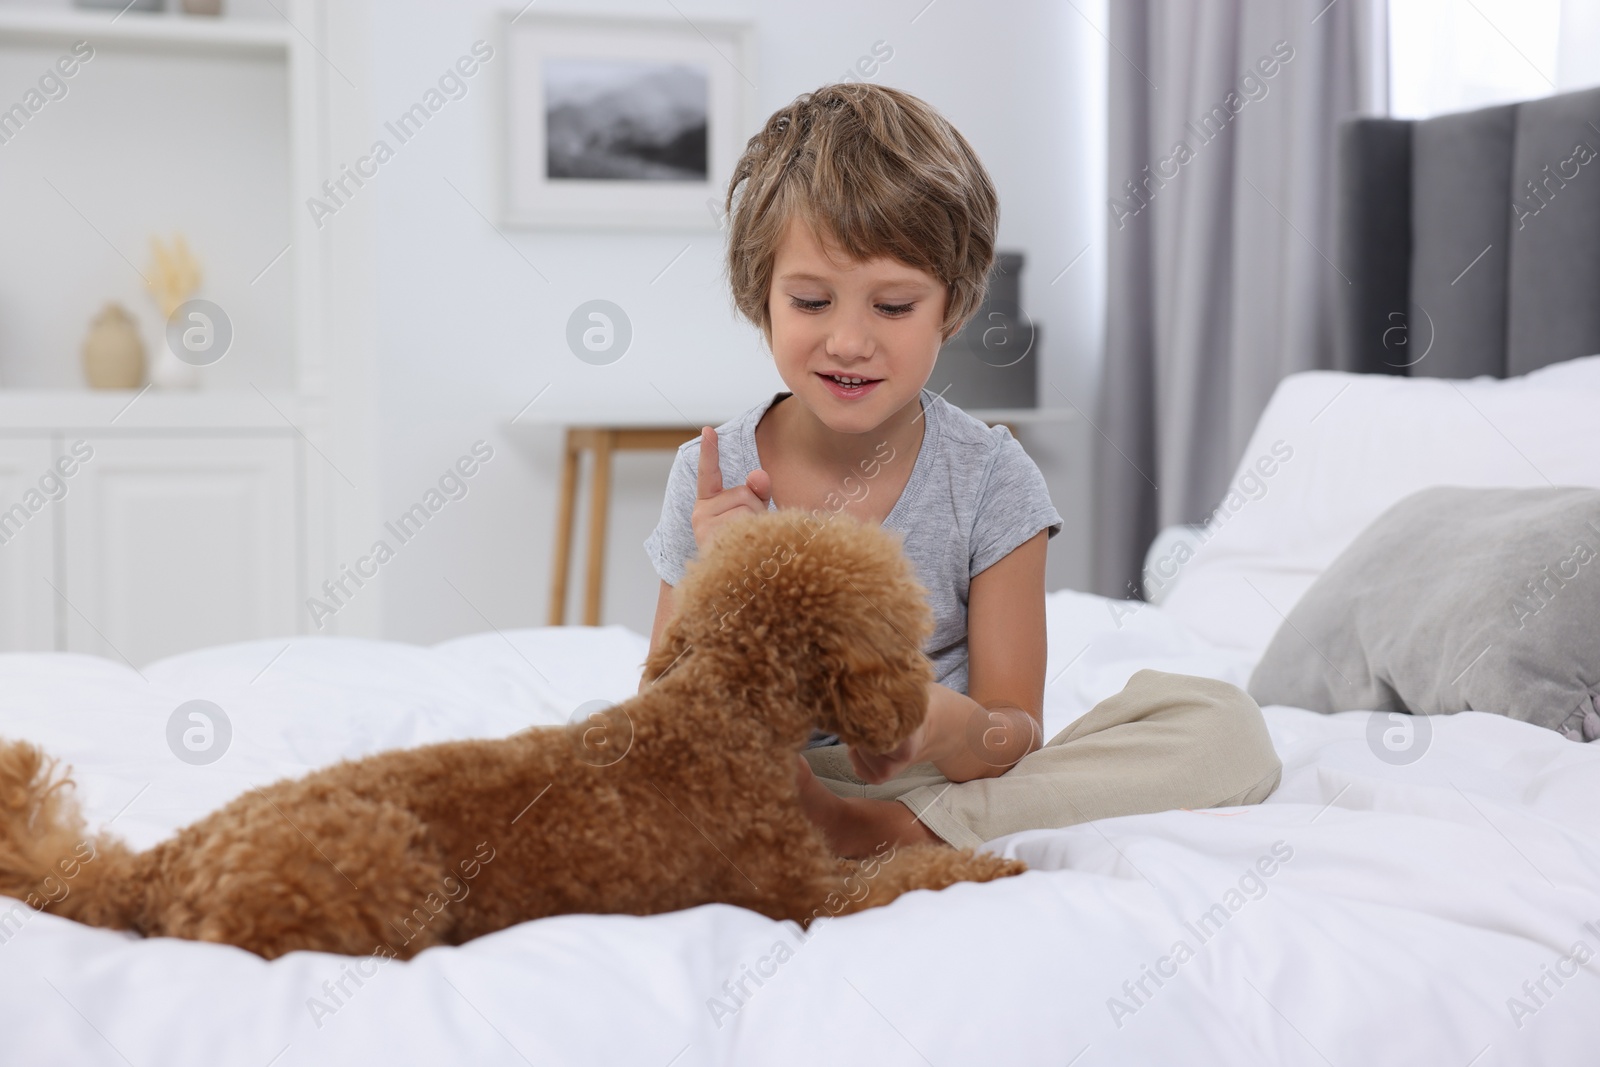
(1013, 505)
(670, 545)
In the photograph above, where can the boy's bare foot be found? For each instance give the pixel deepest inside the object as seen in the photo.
(855, 827)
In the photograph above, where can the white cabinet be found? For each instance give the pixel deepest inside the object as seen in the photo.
(136, 527)
(173, 543)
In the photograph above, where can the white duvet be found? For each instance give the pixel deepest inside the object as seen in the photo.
(1446, 911)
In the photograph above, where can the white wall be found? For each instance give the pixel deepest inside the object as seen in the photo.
(465, 332)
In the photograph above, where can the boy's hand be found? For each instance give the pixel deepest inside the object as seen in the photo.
(715, 505)
(875, 767)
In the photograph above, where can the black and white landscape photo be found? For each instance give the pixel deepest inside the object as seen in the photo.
(625, 120)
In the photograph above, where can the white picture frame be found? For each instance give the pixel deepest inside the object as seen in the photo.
(597, 83)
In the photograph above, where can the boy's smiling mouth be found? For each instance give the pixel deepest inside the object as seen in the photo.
(848, 386)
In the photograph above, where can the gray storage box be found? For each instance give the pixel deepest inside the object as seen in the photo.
(993, 362)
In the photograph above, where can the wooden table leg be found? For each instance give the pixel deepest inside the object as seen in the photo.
(564, 509)
(601, 488)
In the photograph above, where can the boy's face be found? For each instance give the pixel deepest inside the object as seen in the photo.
(877, 319)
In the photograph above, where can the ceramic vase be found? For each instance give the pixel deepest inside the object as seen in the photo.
(113, 354)
(167, 371)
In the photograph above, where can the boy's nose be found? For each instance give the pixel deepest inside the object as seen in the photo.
(851, 338)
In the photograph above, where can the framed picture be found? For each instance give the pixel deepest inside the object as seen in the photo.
(624, 122)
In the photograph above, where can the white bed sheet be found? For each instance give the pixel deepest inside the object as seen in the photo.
(1414, 903)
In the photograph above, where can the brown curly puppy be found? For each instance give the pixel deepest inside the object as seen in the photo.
(683, 795)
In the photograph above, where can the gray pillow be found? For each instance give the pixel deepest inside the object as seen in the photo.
(1454, 599)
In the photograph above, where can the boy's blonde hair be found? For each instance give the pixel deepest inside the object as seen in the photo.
(879, 173)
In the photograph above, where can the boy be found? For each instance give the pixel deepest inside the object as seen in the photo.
(861, 241)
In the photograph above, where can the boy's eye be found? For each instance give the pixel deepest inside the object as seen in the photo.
(818, 305)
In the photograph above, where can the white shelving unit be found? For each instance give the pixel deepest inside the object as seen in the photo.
(203, 513)
(155, 32)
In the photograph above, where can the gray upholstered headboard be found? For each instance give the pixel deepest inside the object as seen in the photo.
(1471, 241)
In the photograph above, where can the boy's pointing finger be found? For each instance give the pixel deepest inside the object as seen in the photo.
(709, 481)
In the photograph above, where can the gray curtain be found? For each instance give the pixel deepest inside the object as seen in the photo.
(1220, 276)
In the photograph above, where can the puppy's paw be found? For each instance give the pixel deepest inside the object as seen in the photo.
(986, 866)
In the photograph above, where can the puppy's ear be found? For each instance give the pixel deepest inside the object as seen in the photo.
(873, 690)
(668, 651)
(869, 674)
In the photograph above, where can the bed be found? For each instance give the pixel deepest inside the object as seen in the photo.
(1442, 908)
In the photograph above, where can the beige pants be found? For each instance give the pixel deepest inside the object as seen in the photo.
(1166, 741)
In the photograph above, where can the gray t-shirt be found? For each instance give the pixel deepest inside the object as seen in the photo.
(973, 496)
